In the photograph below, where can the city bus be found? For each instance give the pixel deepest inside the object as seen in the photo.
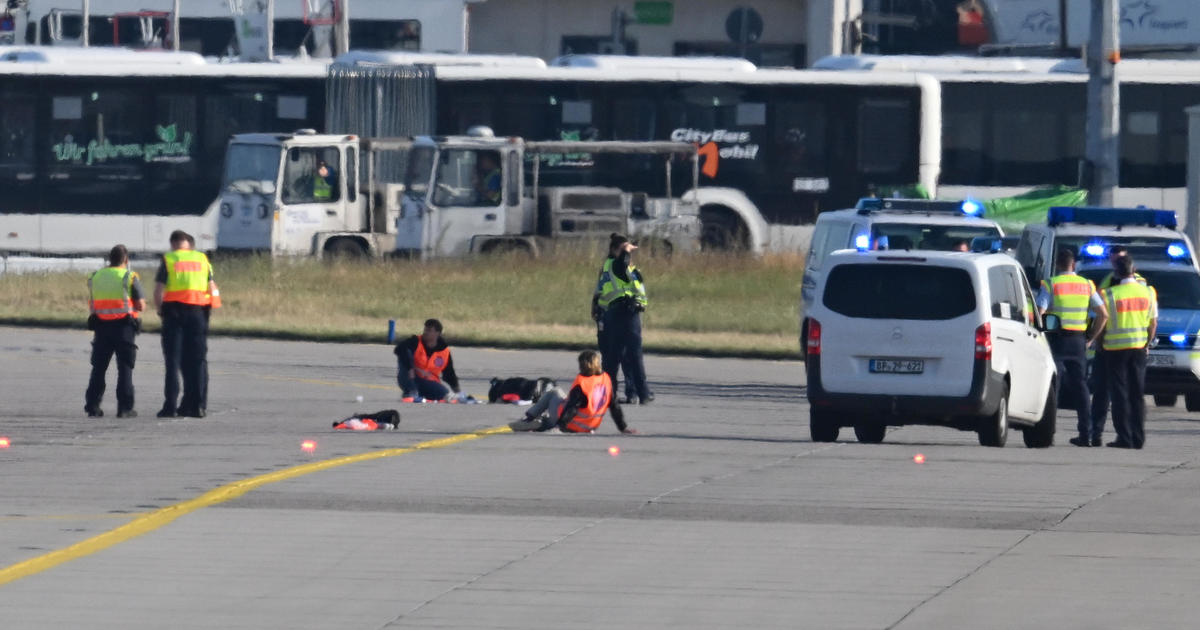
(1013, 124)
(104, 145)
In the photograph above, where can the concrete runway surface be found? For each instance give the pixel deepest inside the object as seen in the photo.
(722, 515)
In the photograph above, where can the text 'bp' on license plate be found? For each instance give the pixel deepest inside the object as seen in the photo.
(896, 366)
(1161, 360)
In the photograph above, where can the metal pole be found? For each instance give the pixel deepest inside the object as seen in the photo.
(270, 26)
(175, 26)
(1062, 25)
(343, 28)
(87, 12)
(1103, 105)
(1192, 216)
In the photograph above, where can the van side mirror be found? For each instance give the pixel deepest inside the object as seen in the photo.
(1051, 323)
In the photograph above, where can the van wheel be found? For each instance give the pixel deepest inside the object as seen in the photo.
(993, 429)
(870, 432)
(1041, 435)
(345, 249)
(1166, 400)
(822, 426)
(1192, 402)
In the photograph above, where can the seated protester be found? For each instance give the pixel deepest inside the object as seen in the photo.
(423, 362)
(582, 409)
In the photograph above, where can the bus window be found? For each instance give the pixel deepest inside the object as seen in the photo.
(633, 119)
(98, 138)
(17, 160)
(884, 136)
(172, 147)
(386, 34)
(799, 138)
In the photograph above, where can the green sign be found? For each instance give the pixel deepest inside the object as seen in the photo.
(654, 12)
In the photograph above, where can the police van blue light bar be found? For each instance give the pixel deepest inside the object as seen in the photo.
(1177, 250)
(862, 242)
(1112, 216)
(1095, 250)
(970, 208)
(1178, 339)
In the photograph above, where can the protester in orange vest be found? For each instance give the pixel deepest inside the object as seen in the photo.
(184, 293)
(582, 409)
(114, 301)
(424, 362)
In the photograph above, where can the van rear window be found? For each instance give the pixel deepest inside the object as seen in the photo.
(899, 291)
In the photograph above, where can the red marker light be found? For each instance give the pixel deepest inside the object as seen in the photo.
(308, 446)
(919, 458)
(614, 450)
(3, 442)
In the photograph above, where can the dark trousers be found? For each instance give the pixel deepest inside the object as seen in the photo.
(623, 349)
(624, 364)
(1127, 389)
(185, 351)
(1099, 387)
(1070, 357)
(425, 388)
(112, 337)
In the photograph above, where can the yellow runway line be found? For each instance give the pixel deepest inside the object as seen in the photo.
(163, 516)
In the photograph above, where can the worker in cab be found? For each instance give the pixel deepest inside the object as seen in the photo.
(425, 369)
(1134, 321)
(324, 183)
(1070, 297)
(489, 181)
(582, 409)
(115, 302)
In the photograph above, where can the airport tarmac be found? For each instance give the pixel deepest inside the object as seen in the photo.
(722, 514)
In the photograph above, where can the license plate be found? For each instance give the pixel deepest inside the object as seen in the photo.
(1161, 360)
(896, 366)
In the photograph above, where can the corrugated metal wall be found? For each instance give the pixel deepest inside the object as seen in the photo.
(381, 101)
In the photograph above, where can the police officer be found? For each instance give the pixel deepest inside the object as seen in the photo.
(622, 296)
(115, 301)
(1099, 376)
(184, 293)
(1069, 296)
(1127, 340)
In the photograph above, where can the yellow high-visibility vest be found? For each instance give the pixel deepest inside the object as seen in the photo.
(1128, 316)
(188, 272)
(1070, 295)
(110, 288)
(612, 288)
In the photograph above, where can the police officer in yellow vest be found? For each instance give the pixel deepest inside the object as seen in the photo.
(115, 301)
(621, 293)
(1099, 376)
(1070, 296)
(1127, 338)
(184, 293)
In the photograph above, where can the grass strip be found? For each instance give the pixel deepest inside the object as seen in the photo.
(710, 304)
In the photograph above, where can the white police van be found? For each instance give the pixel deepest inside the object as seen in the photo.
(1173, 365)
(925, 337)
(1091, 232)
(891, 224)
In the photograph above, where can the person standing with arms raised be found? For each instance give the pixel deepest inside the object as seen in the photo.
(184, 293)
(621, 293)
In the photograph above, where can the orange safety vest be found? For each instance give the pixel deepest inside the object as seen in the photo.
(430, 366)
(599, 390)
(188, 273)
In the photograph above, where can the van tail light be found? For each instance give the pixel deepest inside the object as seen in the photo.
(983, 342)
(814, 337)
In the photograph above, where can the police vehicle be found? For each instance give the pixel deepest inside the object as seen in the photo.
(1173, 365)
(927, 337)
(892, 224)
(1091, 232)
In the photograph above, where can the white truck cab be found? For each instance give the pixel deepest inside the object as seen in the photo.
(927, 337)
(891, 224)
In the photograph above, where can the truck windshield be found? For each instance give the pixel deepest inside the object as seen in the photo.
(936, 237)
(251, 168)
(420, 167)
(468, 178)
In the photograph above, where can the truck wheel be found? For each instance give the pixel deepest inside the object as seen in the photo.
(1166, 400)
(1192, 402)
(870, 432)
(822, 426)
(993, 429)
(344, 249)
(1041, 435)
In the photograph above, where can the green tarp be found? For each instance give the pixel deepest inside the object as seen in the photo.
(1012, 213)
